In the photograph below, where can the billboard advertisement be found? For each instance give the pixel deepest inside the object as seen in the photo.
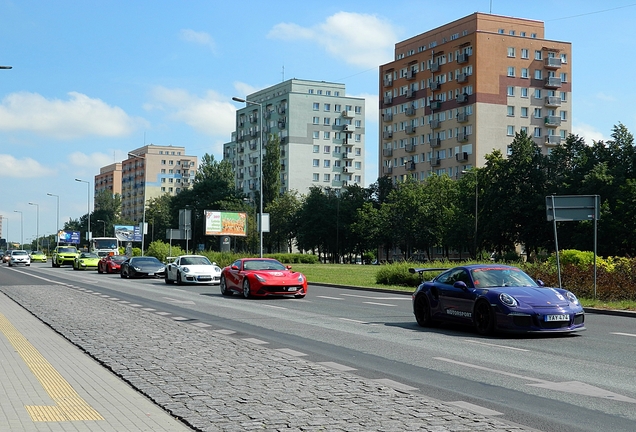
(225, 223)
(128, 233)
(70, 237)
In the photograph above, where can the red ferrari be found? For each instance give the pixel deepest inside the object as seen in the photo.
(110, 264)
(262, 277)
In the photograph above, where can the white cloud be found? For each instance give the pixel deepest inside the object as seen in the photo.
(359, 39)
(588, 132)
(93, 161)
(22, 168)
(211, 114)
(243, 89)
(605, 97)
(201, 38)
(77, 117)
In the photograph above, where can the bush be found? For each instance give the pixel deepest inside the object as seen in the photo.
(398, 274)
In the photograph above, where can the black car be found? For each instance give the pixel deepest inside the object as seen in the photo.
(142, 266)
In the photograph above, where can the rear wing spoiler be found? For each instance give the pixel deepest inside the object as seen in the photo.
(421, 270)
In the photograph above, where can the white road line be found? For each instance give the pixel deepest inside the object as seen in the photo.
(337, 366)
(490, 370)
(149, 309)
(475, 408)
(380, 304)
(395, 385)
(291, 352)
(180, 319)
(275, 307)
(163, 313)
(171, 300)
(256, 341)
(225, 332)
(202, 325)
(623, 334)
(330, 298)
(378, 298)
(495, 345)
(355, 321)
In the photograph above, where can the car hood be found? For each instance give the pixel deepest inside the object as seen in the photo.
(148, 267)
(536, 296)
(275, 273)
(202, 268)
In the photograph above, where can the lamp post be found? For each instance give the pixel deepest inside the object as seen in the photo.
(6, 67)
(473, 171)
(37, 225)
(143, 219)
(260, 166)
(6, 236)
(88, 188)
(57, 223)
(21, 230)
(104, 230)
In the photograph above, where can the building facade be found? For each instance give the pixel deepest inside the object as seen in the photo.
(109, 179)
(321, 132)
(454, 94)
(148, 172)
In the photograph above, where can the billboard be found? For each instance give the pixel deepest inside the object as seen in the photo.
(70, 237)
(225, 223)
(127, 233)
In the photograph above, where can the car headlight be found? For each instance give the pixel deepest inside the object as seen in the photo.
(508, 300)
(136, 269)
(185, 269)
(259, 278)
(572, 298)
(301, 279)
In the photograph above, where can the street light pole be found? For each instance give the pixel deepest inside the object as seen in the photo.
(37, 226)
(104, 230)
(143, 218)
(88, 188)
(21, 230)
(260, 163)
(476, 205)
(6, 236)
(57, 225)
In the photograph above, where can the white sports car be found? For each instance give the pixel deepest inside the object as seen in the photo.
(195, 269)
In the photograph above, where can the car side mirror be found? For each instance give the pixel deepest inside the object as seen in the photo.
(460, 285)
(234, 267)
(288, 267)
(540, 282)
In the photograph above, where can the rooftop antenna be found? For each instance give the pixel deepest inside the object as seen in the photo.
(490, 7)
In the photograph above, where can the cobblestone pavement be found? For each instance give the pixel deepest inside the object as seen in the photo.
(215, 383)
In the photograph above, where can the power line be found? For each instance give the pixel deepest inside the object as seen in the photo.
(593, 13)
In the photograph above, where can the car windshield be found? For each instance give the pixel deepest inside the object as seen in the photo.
(145, 260)
(489, 277)
(89, 255)
(19, 252)
(118, 258)
(37, 253)
(199, 260)
(267, 264)
(67, 250)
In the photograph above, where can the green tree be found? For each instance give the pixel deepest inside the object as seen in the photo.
(271, 170)
(283, 214)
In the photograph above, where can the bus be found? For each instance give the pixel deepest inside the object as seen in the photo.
(103, 246)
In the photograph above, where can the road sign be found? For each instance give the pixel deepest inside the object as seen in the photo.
(572, 207)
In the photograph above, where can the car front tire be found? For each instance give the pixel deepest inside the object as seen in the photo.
(484, 318)
(246, 289)
(423, 311)
(179, 280)
(223, 286)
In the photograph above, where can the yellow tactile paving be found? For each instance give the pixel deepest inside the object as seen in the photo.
(69, 406)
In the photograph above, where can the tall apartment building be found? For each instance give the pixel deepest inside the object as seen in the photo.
(109, 179)
(456, 93)
(148, 172)
(321, 135)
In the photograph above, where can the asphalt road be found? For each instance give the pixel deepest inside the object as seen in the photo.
(583, 382)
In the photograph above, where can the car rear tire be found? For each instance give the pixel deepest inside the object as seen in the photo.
(484, 318)
(223, 286)
(167, 280)
(246, 289)
(122, 275)
(423, 311)
(99, 269)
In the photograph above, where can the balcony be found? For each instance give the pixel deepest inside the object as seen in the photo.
(241, 149)
(435, 85)
(268, 114)
(347, 155)
(254, 118)
(345, 169)
(253, 133)
(387, 134)
(462, 98)
(410, 111)
(282, 167)
(387, 117)
(348, 128)
(410, 129)
(462, 78)
(388, 100)
(410, 166)
(436, 142)
(552, 121)
(410, 93)
(462, 117)
(281, 125)
(411, 74)
(434, 66)
(552, 140)
(552, 101)
(281, 110)
(388, 82)
(435, 124)
(410, 148)
(462, 58)
(552, 63)
(435, 162)
(387, 152)
(436, 105)
(552, 82)
(387, 170)
(461, 156)
(348, 113)
(462, 137)
(253, 146)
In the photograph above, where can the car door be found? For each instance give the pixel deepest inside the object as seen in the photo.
(232, 276)
(456, 302)
(171, 269)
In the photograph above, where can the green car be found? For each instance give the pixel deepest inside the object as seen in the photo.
(38, 256)
(64, 255)
(86, 260)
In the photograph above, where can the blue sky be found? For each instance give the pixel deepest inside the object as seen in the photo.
(94, 80)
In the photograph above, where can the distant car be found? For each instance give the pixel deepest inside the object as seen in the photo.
(111, 263)
(262, 277)
(38, 256)
(63, 255)
(195, 269)
(6, 255)
(142, 266)
(19, 257)
(86, 260)
(493, 297)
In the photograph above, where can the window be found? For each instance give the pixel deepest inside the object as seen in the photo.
(317, 147)
(327, 135)
(319, 92)
(511, 111)
(501, 31)
(171, 171)
(316, 120)
(316, 162)
(525, 53)
(524, 129)
(327, 107)
(533, 35)
(525, 73)
(511, 32)
(538, 55)
(511, 51)
(358, 165)
(315, 177)
(522, 34)
(311, 91)
(564, 77)
(336, 93)
(163, 170)
(316, 135)
(327, 163)
(163, 189)
(316, 106)
(163, 180)
(327, 149)
(564, 96)
(537, 93)
(537, 113)
(564, 115)
(328, 92)
(510, 130)
(524, 92)
(537, 132)
(511, 71)
(358, 123)
(511, 91)
(358, 137)
(538, 74)
(327, 121)
(358, 110)
(564, 58)
(171, 162)
(163, 161)
(524, 111)
(327, 177)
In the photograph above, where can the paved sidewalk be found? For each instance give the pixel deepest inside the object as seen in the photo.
(186, 370)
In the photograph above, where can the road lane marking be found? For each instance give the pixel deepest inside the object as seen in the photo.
(495, 345)
(330, 298)
(337, 366)
(69, 405)
(395, 385)
(378, 298)
(275, 307)
(255, 341)
(475, 408)
(225, 332)
(623, 334)
(187, 302)
(354, 321)
(380, 304)
(291, 352)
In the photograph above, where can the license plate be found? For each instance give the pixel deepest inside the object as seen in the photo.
(292, 289)
(557, 317)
